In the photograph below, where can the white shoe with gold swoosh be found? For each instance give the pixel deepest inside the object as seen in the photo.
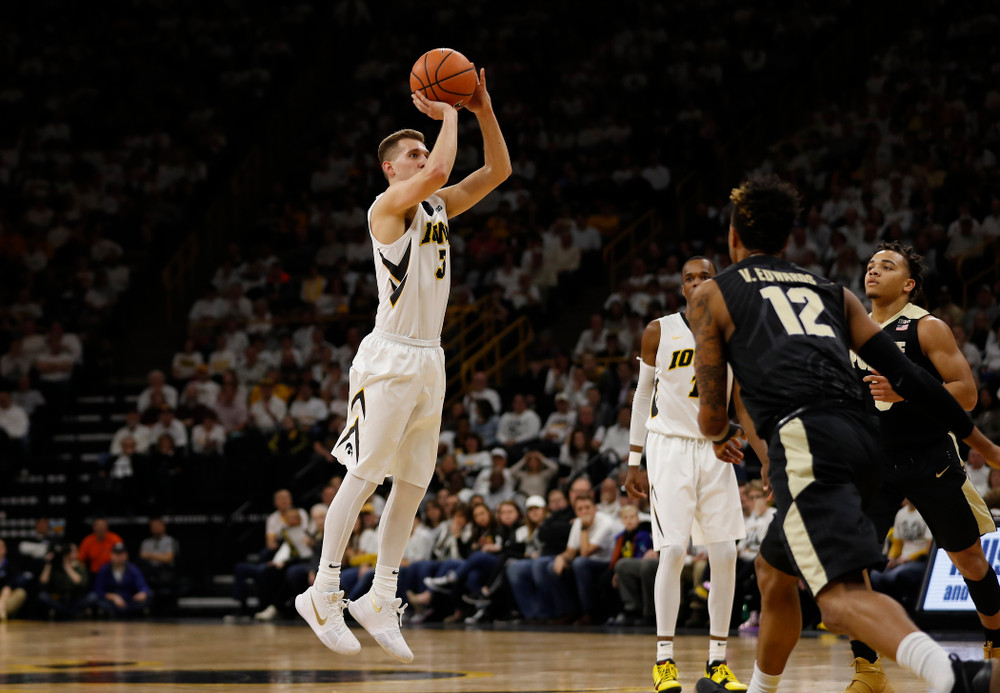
(324, 612)
(381, 619)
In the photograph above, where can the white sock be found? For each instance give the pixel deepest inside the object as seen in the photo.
(920, 655)
(716, 650)
(664, 650)
(328, 577)
(763, 683)
(384, 584)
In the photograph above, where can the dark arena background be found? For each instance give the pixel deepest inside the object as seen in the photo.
(185, 277)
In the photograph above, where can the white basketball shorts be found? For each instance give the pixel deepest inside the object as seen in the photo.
(394, 418)
(692, 494)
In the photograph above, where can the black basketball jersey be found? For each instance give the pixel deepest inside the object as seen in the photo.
(789, 348)
(904, 426)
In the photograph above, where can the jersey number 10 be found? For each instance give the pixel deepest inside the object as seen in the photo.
(803, 323)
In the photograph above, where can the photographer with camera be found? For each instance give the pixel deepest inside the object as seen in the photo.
(63, 582)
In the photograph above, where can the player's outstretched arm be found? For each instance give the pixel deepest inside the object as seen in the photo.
(636, 483)
(399, 197)
(910, 381)
(496, 167)
(710, 365)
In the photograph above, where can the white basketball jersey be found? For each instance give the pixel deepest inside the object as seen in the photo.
(414, 274)
(674, 405)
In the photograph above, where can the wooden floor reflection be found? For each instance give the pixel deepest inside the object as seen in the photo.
(162, 657)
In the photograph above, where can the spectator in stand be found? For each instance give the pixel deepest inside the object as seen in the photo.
(480, 390)
(557, 426)
(62, 582)
(248, 571)
(486, 422)
(307, 410)
(252, 368)
(533, 474)
(496, 483)
(220, 360)
(614, 448)
(592, 339)
(634, 562)
(167, 424)
(472, 459)
(231, 410)
(55, 369)
(207, 389)
(910, 547)
(269, 410)
(518, 427)
(157, 382)
(119, 586)
(208, 438)
(133, 429)
(207, 309)
(588, 553)
(95, 549)
(295, 547)
(185, 362)
(158, 560)
(986, 305)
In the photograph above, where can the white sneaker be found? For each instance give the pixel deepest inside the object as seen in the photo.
(268, 614)
(382, 621)
(324, 612)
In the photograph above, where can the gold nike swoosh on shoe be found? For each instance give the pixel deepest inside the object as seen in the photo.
(378, 609)
(321, 621)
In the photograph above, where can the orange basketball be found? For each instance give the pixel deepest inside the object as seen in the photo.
(443, 74)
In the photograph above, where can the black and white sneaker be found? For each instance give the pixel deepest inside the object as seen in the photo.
(975, 676)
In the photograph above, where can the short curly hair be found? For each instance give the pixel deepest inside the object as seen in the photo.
(764, 210)
(914, 264)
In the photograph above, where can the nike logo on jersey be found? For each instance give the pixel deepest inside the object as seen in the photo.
(319, 620)
(941, 473)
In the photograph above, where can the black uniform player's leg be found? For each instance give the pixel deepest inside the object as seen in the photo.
(957, 516)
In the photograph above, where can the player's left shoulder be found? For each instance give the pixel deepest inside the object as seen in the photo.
(934, 332)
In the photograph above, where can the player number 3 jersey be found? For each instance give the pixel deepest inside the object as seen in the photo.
(414, 274)
(674, 405)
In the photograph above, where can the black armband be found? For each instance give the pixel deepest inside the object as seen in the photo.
(915, 385)
(734, 429)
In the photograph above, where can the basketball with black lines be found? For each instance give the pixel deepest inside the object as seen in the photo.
(443, 74)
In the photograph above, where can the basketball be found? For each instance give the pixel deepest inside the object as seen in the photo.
(443, 74)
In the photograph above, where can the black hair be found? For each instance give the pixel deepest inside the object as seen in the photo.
(914, 263)
(764, 210)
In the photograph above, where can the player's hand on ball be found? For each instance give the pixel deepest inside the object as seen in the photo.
(730, 451)
(636, 484)
(436, 110)
(480, 100)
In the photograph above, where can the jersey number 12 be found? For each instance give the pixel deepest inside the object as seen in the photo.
(805, 321)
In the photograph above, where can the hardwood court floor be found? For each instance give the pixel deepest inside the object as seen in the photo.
(162, 657)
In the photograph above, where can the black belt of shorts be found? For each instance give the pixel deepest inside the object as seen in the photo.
(835, 403)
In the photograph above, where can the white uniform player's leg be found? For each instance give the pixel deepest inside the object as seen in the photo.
(412, 468)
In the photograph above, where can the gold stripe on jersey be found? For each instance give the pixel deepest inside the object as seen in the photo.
(799, 468)
(910, 311)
